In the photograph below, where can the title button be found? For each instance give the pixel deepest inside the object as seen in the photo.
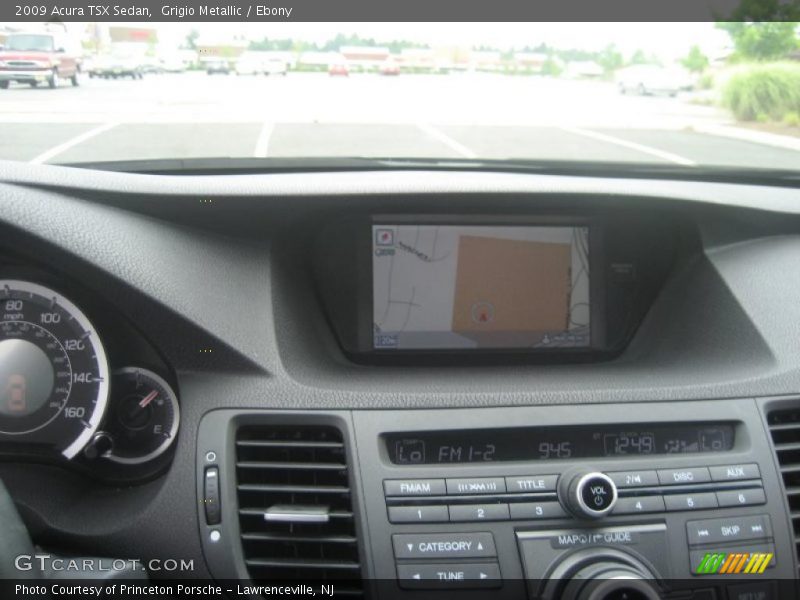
(531, 484)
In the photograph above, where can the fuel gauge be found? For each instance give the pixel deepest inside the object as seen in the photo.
(143, 418)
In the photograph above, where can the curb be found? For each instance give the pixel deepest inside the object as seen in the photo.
(757, 137)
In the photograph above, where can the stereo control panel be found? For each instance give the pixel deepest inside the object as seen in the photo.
(657, 501)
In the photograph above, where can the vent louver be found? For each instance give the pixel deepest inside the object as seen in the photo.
(297, 476)
(784, 427)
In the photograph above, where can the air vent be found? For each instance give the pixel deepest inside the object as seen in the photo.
(295, 507)
(784, 426)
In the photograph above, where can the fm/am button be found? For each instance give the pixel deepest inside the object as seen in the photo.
(414, 487)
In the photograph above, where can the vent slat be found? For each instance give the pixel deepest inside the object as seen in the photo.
(283, 563)
(296, 468)
(292, 489)
(288, 444)
(291, 465)
(784, 427)
(276, 537)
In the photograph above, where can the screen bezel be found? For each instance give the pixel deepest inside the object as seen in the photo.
(597, 307)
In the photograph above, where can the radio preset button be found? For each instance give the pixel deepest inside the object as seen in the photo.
(531, 483)
(691, 501)
(733, 529)
(747, 497)
(639, 504)
(684, 476)
(476, 485)
(414, 487)
(447, 575)
(418, 514)
(479, 512)
(628, 479)
(537, 510)
(444, 545)
(735, 472)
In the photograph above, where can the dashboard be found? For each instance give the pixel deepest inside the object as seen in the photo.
(407, 384)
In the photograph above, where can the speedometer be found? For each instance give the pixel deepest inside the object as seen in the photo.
(53, 369)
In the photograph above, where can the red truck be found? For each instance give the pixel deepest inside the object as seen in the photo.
(35, 58)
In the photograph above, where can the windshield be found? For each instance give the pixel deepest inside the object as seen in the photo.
(687, 94)
(29, 43)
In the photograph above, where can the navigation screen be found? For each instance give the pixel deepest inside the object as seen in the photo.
(440, 287)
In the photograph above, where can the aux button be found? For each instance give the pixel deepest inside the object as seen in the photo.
(589, 495)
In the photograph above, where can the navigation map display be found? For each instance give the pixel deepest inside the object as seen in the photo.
(451, 287)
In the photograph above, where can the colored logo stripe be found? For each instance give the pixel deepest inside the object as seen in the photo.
(717, 562)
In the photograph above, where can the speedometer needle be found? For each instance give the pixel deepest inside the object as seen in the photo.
(148, 399)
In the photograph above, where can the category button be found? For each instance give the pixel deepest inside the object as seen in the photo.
(748, 497)
(639, 504)
(414, 487)
(447, 575)
(628, 479)
(531, 483)
(483, 485)
(735, 472)
(444, 545)
(684, 476)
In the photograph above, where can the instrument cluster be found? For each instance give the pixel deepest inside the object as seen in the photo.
(63, 398)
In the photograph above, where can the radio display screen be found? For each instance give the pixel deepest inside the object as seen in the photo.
(540, 443)
(460, 287)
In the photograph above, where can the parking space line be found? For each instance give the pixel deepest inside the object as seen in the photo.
(79, 139)
(602, 137)
(457, 147)
(262, 144)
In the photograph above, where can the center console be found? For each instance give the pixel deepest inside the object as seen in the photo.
(634, 501)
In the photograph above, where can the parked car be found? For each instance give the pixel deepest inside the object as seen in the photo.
(275, 66)
(35, 58)
(338, 69)
(118, 64)
(650, 80)
(249, 65)
(217, 66)
(389, 67)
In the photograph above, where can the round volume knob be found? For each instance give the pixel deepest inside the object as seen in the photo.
(591, 495)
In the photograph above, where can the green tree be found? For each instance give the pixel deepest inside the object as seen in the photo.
(191, 39)
(610, 59)
(695, 61)
(767, 40)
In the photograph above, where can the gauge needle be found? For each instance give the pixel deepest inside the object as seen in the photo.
(148, 399)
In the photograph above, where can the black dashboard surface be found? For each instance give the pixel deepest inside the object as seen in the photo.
(216, 274)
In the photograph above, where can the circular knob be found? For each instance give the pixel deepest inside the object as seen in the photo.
(591, 495)
(609, 581)
(601, 574)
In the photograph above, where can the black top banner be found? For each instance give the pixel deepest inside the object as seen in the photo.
(396, 10)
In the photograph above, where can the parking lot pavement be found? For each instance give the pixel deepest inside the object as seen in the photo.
(454, 116)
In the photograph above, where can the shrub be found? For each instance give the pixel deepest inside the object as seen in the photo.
(763, 92)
